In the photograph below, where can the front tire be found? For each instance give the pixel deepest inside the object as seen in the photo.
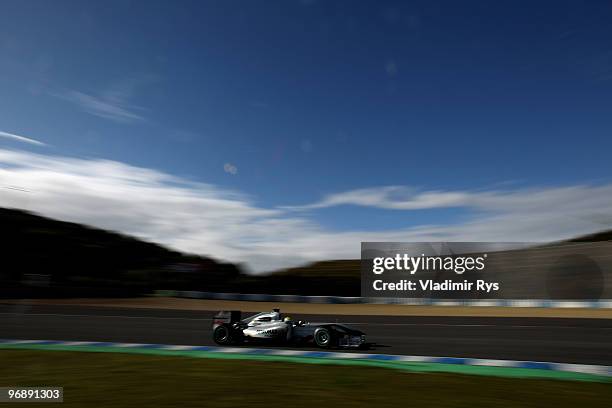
(222, 335)
(323, 337)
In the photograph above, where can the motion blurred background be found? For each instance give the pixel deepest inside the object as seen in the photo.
(50, 258)
(157, 147)
(278, 136)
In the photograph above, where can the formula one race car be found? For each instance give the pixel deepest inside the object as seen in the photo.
(270, 327)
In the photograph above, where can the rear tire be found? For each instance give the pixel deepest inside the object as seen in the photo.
(222, 335)
(323, 337)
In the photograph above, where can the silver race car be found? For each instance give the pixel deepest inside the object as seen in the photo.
(270, 327)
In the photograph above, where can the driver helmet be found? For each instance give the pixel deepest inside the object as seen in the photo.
(287, 319)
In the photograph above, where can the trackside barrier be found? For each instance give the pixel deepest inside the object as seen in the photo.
(257, 297)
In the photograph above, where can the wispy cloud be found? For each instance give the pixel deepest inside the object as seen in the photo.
(115, 110)
(501, 201)
(208, 219)
(391, 198)
(113, 103)
(19, 138)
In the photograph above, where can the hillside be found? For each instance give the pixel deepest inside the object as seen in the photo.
(342, 277)
(41, 252)
(337, 278)
(47, 257)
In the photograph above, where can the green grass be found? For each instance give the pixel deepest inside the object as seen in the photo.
(124, 380)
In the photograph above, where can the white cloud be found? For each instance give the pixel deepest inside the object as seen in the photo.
(113, 103)
(390, 197)
(230, 168)
(502, 201)
(209, 220)
(114, 110)
(19, 138)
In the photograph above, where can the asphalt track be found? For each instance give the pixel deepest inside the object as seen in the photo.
(564, 340)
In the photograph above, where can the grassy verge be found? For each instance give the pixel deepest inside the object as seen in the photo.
(124, 380)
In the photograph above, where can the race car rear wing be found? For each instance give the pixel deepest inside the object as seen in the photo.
(226, 317)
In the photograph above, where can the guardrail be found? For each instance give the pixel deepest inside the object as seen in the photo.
(259, 297)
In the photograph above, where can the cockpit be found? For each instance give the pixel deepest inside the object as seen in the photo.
(262, 318)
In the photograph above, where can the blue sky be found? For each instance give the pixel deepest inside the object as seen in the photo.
(289, 103)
